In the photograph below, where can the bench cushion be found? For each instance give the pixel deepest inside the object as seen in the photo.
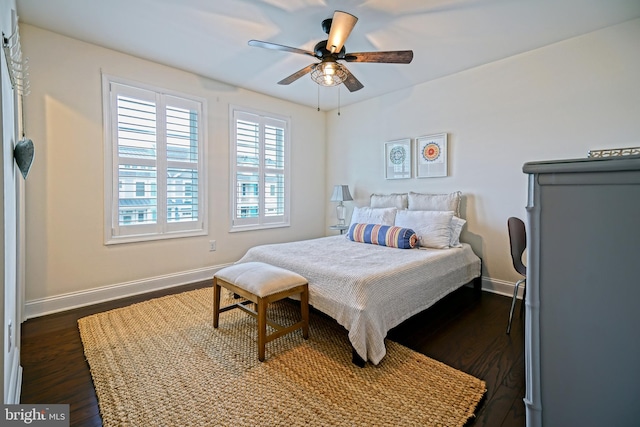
(259, 278)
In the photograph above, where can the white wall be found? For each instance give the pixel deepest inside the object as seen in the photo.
(556, 102)
(67, 262)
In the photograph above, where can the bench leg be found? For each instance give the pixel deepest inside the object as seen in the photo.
(304, 310)
(262, 328)
(216, 302)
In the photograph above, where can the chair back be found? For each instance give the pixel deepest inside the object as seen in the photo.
(518, 242)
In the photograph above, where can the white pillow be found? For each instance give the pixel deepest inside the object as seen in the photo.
(455, 228)
(431, 227)
(394, 200)
(366, 215)
(435, 202)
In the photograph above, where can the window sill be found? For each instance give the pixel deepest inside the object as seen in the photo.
(153, 237)
(239, 228)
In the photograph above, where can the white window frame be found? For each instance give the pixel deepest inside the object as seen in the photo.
(262, 221)
(114, 233)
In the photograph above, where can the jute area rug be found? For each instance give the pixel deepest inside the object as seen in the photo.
(161, 363)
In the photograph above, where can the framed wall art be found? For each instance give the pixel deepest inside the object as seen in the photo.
(397, 155)
(431, 156)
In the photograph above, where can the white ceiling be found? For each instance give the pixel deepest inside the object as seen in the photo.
(209, 37)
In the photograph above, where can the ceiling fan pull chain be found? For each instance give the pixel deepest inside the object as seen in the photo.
(338, 100)
(318, 97)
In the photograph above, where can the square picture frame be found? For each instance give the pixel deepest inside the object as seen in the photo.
(397, 159)
(431, 156)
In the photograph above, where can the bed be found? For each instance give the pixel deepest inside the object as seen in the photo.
(368, 288)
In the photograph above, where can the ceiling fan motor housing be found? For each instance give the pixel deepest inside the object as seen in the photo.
(322, 52)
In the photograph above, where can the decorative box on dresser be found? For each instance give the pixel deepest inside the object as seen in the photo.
(582, 319)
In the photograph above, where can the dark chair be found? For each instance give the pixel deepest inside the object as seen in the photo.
(518, 243)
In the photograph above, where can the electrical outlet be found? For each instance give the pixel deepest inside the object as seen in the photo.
(212, 245)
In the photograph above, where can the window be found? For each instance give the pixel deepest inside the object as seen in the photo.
(260, 170)
(154, 163)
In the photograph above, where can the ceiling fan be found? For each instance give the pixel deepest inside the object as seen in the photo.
(328, 72)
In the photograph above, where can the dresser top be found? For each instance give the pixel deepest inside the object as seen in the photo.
(597, 164)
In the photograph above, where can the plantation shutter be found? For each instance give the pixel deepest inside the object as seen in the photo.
(157, 146)
(260, 175)
(136, 151)
(182, 161)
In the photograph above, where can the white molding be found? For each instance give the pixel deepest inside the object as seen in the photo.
(501, 287)
(63, 302)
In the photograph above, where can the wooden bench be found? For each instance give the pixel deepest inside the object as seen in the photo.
(262, 284)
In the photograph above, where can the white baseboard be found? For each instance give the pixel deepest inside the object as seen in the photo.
(57, 303)
(500, 287)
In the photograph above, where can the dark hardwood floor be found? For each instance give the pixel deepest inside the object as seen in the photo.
(464, 330)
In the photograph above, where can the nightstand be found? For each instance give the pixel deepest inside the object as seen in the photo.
(341, 228)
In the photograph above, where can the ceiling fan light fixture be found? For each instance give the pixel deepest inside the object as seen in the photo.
(328, 73)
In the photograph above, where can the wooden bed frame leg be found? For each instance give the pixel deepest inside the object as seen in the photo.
(477, 284)
(356, 359)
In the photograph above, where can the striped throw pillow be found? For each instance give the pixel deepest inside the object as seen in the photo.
(383, 235)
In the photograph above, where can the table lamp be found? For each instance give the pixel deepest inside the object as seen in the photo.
(341, 194)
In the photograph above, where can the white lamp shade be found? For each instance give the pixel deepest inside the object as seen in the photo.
(341, 194)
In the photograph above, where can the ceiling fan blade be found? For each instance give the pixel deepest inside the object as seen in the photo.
(351, 82)
(391, 57)
(274, 46)
(295, 76)
(341, 27)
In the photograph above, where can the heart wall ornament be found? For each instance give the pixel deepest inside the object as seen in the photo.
(23, 152)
